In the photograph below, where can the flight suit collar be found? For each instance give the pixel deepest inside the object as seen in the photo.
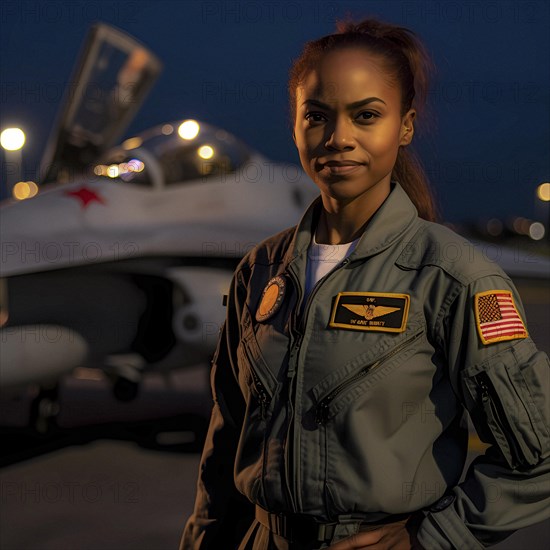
(389, 222)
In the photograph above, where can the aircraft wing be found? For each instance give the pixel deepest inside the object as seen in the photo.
(110, 82)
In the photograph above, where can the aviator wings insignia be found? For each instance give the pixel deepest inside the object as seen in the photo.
(370, 312)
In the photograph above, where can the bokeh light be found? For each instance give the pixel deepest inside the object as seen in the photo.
(189, 129)
(24, 190)
(494, 227)
(543, 192)
(536, 231)
(132, 143)
(12, 139)
(206, 152)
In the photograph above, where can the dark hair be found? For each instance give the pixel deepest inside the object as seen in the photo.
(407, 64)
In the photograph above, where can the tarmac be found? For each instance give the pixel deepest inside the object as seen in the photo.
(115, 495)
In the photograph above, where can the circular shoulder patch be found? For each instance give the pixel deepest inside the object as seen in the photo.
(272, 296)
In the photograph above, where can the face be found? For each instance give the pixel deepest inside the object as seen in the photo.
(348, 126)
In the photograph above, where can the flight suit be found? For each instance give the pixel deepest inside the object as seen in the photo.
(353, 413)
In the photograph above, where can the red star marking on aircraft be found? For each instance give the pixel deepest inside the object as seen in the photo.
(86, 196)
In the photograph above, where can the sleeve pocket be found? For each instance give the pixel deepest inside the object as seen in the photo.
(508, 393)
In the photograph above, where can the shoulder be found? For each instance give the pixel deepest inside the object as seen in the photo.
(269, 251)
(433, 244)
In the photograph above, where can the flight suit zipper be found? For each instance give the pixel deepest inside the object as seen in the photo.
(264, 396)
(323, 407)
(292, 452)
(296, 339)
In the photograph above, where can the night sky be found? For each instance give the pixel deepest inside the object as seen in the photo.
(227, 63)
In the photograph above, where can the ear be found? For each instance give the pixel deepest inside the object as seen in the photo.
(407, 128)
(294, 137)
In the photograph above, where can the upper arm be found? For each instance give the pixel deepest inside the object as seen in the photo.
(502, 378)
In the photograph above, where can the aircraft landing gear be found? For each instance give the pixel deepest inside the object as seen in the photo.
(126, 371)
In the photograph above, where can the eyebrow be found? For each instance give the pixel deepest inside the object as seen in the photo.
(353, 105)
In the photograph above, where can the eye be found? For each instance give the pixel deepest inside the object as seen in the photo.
(366, 116)
(315, 117)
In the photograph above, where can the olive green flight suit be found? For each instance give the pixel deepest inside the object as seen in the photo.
(354, 411)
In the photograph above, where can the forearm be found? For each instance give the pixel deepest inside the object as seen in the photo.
(486, 506)
(214, 486)
(221, 514)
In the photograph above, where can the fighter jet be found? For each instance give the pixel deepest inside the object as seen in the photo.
(121, 260)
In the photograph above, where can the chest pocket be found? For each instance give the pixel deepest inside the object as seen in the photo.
(346, 384)
(254, 372)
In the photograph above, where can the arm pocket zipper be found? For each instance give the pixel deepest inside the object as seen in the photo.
(498, 422)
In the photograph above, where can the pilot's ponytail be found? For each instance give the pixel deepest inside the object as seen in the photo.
(407, 63)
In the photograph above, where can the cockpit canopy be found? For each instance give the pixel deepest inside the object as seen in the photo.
(175, 153)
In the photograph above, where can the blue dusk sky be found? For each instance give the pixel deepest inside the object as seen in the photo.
(227, 63)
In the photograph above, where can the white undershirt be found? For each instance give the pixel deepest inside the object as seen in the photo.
(322, 258)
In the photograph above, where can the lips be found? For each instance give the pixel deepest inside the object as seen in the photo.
(340, 167)
(341, 163)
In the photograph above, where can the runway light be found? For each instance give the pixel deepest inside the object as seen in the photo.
(24, 190)
(543, 192)
(132, 143)
(206, 152)
(536, 231)
(521, 226)
(12, 139)
(494, 227)
(188, 129)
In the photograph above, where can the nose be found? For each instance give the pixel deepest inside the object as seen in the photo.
(340, 136)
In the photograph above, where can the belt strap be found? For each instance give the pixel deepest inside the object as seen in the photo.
(294, 527)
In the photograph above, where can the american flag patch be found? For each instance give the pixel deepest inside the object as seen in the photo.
(497, 317)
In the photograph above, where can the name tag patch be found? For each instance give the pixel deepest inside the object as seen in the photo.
(386, 312)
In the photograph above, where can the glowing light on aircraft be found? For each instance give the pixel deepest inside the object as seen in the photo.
(24, 190)
(117, 170)
(189, 129)
(134, 165)
(132, 143)
(12, 139)
(206, 152)
(543, 192)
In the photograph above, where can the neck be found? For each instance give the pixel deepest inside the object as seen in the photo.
(342, 221)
